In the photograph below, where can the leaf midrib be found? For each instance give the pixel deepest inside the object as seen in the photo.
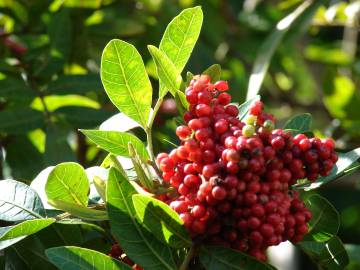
(127, 85)
(74, 196)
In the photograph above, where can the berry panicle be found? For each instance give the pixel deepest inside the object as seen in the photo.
(232, 177)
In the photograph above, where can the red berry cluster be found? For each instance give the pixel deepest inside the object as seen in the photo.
(117, 253)
(233, 177)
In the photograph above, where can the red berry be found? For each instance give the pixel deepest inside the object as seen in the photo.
(219, 193)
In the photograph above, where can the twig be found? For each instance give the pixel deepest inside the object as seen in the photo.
(188, 257)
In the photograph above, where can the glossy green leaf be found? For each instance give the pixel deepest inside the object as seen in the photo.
(181, 35)
(81, 116)
(299, 124)
(19, 121)
(13, 234)
(140, 167)
(117, 142)
(270, 44)
(181, 102)
(19, 202)
(161, 221)
(325, 220)
(220, 258)
(138, 244)
(75, 84)
(125, 80)
(100, 186)
(77, 258)
(168, 75)
(329, 255)
(244, 108)
(68, 182)
(79, 210)
(345, 161)
(214, 71)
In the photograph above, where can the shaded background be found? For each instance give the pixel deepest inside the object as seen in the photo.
(50, 86)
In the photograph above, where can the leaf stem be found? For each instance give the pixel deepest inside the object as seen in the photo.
(148, 130)
(188, 257)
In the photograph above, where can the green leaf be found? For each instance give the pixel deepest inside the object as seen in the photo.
(325, 220)
(19, 202)
(181, 35)
(79, 210)
(244, 108)
(140, 167)
(81, 116)
(117, 142)
(76, 258)
(214, 71)
(15, 88)
(138, 244)
(68, 182)
(299, 124)
(330, 255)
(125, 80)
(161, 221)
(13, 234)
(220, 258)
(57, 149)
(345, 161)
(271, 43)
(100, 186)
(181, 103)
(169, 77)
(18, 121)
(75, 84)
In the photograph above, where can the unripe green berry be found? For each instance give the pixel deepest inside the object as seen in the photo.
(251, 119)
(268, 125)
(248, 130)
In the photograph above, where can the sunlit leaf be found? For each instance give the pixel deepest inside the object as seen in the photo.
(13, 234)
(167, 73)
(214, 71)
(181, 35)
(68, 182)
(117, 142)
(161, 221)
(77, 258)
(79, 210)
(125, 80)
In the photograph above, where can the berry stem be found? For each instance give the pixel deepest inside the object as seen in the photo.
(188, 257)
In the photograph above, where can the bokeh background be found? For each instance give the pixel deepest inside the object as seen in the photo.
(50, 85)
